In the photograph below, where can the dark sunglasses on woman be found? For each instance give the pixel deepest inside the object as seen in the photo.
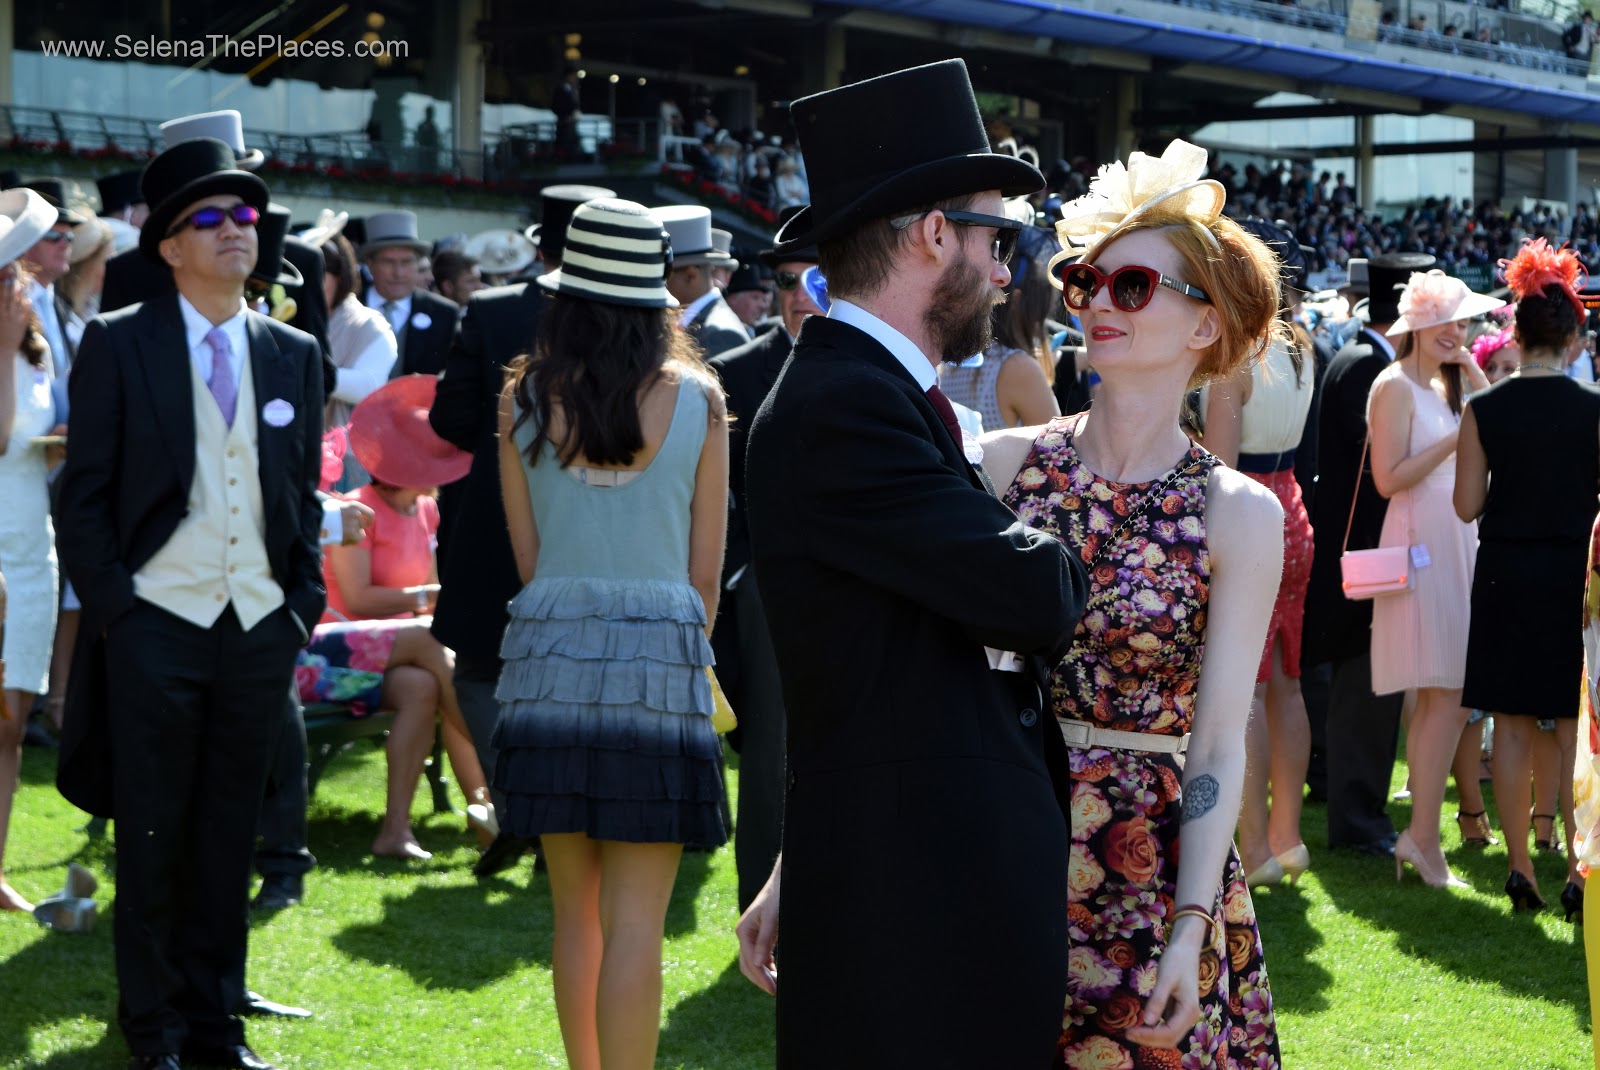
(1132, 286)
(1007, 230)
(211, 217)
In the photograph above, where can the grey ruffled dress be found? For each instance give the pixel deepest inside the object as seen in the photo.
(605, 709)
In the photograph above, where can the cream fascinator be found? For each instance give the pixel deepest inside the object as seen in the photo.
(1122, 193)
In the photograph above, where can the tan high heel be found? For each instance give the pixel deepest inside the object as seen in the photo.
(1295, 861)
(1407, 852)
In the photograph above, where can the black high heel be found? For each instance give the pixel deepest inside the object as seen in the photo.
(1475, 831)
(1549, 844)
(1523, 895)
(1572, 901)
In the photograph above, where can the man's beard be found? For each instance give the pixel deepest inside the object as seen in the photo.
(958, 317)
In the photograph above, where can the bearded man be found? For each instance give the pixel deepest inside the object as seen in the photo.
(924, 879)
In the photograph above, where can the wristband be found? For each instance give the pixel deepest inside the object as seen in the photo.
(332, 533)
(1193, 910)
(422, 602)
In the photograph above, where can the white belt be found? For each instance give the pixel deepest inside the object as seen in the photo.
(1083, 734)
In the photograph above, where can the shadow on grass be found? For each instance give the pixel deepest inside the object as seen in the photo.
(729, 1025)
(1289, 941)
(56, 979)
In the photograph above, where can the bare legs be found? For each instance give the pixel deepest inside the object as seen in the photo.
(610, 903)
(413, 694)
(1277, 752)
(1436, 725)
(19, 702)
(1465, 768)
(61, 663)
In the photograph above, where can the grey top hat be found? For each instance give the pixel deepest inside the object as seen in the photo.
(692, 241)
(392, 230)
(1356, 275)
(226, 126)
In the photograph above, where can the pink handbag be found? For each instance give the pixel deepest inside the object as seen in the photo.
(1370, 573)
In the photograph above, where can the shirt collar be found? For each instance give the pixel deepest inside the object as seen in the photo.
(377, 300)
(904, 349)
(196, 326)
(692, 309)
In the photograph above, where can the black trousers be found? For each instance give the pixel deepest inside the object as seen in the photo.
(195, 718)
(282, 851)
(1363, 732)
(759, 831)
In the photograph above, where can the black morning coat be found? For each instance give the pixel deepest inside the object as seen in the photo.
(1337, 628)
(423, 350)
(126, 486)
(923, 905)
(477, 572)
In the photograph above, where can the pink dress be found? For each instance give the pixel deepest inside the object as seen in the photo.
(401, 548)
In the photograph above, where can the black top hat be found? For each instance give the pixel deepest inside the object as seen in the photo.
(54, 191)
(271, 267)
(1277, 236)
(924, 142)
(191, 171)
(806, 254)
(556, 205)
(745, 277)
(118, 190)
(1387, 275)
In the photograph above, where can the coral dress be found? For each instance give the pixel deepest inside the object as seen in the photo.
(1133, 666)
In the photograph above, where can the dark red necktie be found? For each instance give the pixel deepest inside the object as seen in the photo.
(947, 412)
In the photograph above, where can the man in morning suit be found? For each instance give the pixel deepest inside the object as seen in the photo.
(477, 574)
(423, 322)
(924, 865)
(704, 314)
(747, 667)
(188, 521)
(1363, 728)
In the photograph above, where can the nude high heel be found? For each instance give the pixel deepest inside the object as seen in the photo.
(1406, 852)
(1295, 861)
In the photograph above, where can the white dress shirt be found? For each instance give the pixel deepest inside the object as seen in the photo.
(692, 309)
(195, 329)
(402, 311)
(43, 299)
(904, 349)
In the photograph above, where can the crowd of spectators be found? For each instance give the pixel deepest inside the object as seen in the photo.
(767, 170)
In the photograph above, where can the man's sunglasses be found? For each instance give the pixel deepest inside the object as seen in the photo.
(55, 236)
(786, 280)
(1131, 286)
(210, 218)
(1007, 230)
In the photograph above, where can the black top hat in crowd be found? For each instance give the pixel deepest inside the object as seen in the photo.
(745, 277)
(1387, 275)
(805, 254)
(118, 190)
(1294, 257)
(894, 142)
(188, 172)
(271, 267)
(54, 191)
(556, 205)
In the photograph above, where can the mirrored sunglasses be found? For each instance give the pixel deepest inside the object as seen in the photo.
(1007, 230)
(1132, 286)
(210, 218)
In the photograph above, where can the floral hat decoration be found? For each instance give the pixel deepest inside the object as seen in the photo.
(1536, 267)
(1120, 193)
(1432, 298)
(1487, 345)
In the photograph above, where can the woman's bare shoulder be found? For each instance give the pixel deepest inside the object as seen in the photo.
(1243, 517)
(1005, 451)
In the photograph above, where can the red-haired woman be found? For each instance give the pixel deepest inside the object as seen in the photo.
(1183, 557)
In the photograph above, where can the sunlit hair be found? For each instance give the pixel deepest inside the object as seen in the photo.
(1237, 271)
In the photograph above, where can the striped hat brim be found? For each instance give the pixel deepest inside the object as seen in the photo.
(615, 253)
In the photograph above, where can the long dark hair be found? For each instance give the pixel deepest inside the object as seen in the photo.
(34, 346)
(1453, 392)
(593, 359)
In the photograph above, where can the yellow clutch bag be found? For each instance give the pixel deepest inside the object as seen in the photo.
(722, 716)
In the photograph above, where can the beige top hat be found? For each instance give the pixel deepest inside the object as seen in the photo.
(225, 126)
(389, 230)
(328, 226)
(24, 217)
(690, 228)
(501, 252)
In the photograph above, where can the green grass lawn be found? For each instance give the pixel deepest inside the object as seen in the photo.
(417, 967)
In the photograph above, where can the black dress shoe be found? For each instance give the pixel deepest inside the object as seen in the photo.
(257, 1004)
(154, 1062)
(501, 854)
(278, 890)
(230, 1056)
(1382, 847)
(35, 734)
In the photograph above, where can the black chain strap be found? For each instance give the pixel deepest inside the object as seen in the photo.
(1156, 494)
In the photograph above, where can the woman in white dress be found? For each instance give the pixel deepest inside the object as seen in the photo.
(1419, 637)
(27, 541)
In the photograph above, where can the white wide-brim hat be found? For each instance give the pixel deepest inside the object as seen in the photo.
(617, 253)
(24, 218)
(500, 252)
(328, 226)
(1432, 298)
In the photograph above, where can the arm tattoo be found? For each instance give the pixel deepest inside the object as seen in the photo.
(1199, 796)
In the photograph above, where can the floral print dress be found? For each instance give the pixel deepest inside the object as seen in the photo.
(1133, 667)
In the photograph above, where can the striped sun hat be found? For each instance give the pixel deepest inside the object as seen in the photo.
(617, 253)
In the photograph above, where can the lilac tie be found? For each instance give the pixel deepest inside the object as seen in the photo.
(223, 388)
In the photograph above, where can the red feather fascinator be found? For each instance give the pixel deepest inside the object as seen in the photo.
(1537, 266)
